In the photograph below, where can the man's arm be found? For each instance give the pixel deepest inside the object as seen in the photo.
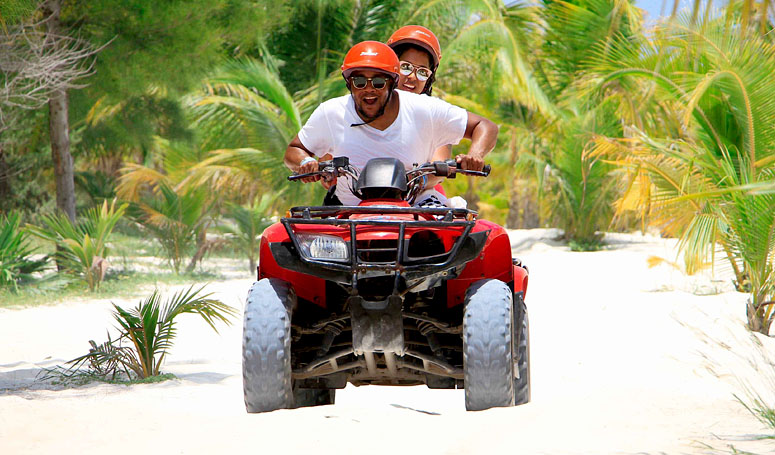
(483, 134)
(295, 154)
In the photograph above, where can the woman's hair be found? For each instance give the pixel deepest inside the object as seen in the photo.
(401, 48)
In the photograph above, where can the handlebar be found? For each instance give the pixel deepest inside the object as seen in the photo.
(339, 165)
(335, 167)
(449, 169)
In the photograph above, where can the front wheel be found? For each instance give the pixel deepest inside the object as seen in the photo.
(487, 346)
(266, 347)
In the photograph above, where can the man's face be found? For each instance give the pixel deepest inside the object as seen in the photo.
(370, 102)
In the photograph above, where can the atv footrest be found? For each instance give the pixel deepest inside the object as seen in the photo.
(377, 326)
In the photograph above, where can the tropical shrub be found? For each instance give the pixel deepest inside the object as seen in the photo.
(97, 185)
(249, 223)
(247, 117)
(15, 263)
(147, 333)
(178, 219)
(712, 137)
(579, 180)
(82, 247)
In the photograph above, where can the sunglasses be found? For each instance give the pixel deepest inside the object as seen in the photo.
(423, 73)
(360, 82)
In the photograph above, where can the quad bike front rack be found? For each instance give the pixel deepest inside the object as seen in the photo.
(413, 270)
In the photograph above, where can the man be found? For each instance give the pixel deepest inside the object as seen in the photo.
(376, 120)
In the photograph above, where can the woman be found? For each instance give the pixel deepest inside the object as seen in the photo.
(419, 54)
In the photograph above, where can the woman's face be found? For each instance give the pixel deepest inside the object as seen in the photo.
(417, 58)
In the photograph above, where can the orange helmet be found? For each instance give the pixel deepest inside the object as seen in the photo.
(371, 55)
(421, 36)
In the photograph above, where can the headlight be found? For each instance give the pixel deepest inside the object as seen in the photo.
(315, 246)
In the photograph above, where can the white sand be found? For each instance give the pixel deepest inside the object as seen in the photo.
(613, 371)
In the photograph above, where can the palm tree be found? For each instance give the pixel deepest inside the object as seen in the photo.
(719, 82)
(150, 329)
(247, 118)
(172, 210)
(546, 119)
(16, 263)
(248, 224)
(82, 246)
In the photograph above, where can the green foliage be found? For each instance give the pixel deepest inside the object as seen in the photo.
(575, 27)
(595, 244)
(149, 43)
(249, 223)
(151, 325)
(710, 80)
(149, 330)
(247, 117)
(15, 11)
(97, 185)
(82, 246)
(15, 263)
(312, 44)
(177, 218)
(151, 52)
(580, 184)
(132, 124)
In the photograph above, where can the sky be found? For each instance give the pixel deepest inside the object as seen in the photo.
(655, 8)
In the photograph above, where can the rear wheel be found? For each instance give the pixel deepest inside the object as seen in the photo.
(522, 353)
(487, 346)
(266, 347)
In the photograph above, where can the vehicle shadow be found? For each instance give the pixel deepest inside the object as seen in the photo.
(207, 377)
(399, 406)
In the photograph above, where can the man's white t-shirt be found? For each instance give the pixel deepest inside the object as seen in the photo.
(423, 124)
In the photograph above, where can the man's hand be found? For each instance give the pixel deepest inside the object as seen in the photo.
(300, 160)
(308, 167)
(470, 162)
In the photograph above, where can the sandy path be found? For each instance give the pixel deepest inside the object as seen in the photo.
(613, 372)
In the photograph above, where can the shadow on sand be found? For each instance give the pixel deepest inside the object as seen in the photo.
(399, 406)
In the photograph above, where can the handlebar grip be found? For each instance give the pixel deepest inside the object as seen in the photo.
(486, 170)
(301, 176)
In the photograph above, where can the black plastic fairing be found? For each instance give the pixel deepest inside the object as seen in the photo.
(382, 175)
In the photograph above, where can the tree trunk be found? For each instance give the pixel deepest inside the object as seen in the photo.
(759, 318)
(59, 126)
(59, 130)
(523, 212)
(201, 248)
(5, 178)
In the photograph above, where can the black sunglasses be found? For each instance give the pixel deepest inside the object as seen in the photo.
(360, 82)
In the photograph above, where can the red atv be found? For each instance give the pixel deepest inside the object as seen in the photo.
(385, 293)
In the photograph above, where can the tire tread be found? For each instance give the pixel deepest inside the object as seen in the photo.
(487, 338)
(266, 347)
